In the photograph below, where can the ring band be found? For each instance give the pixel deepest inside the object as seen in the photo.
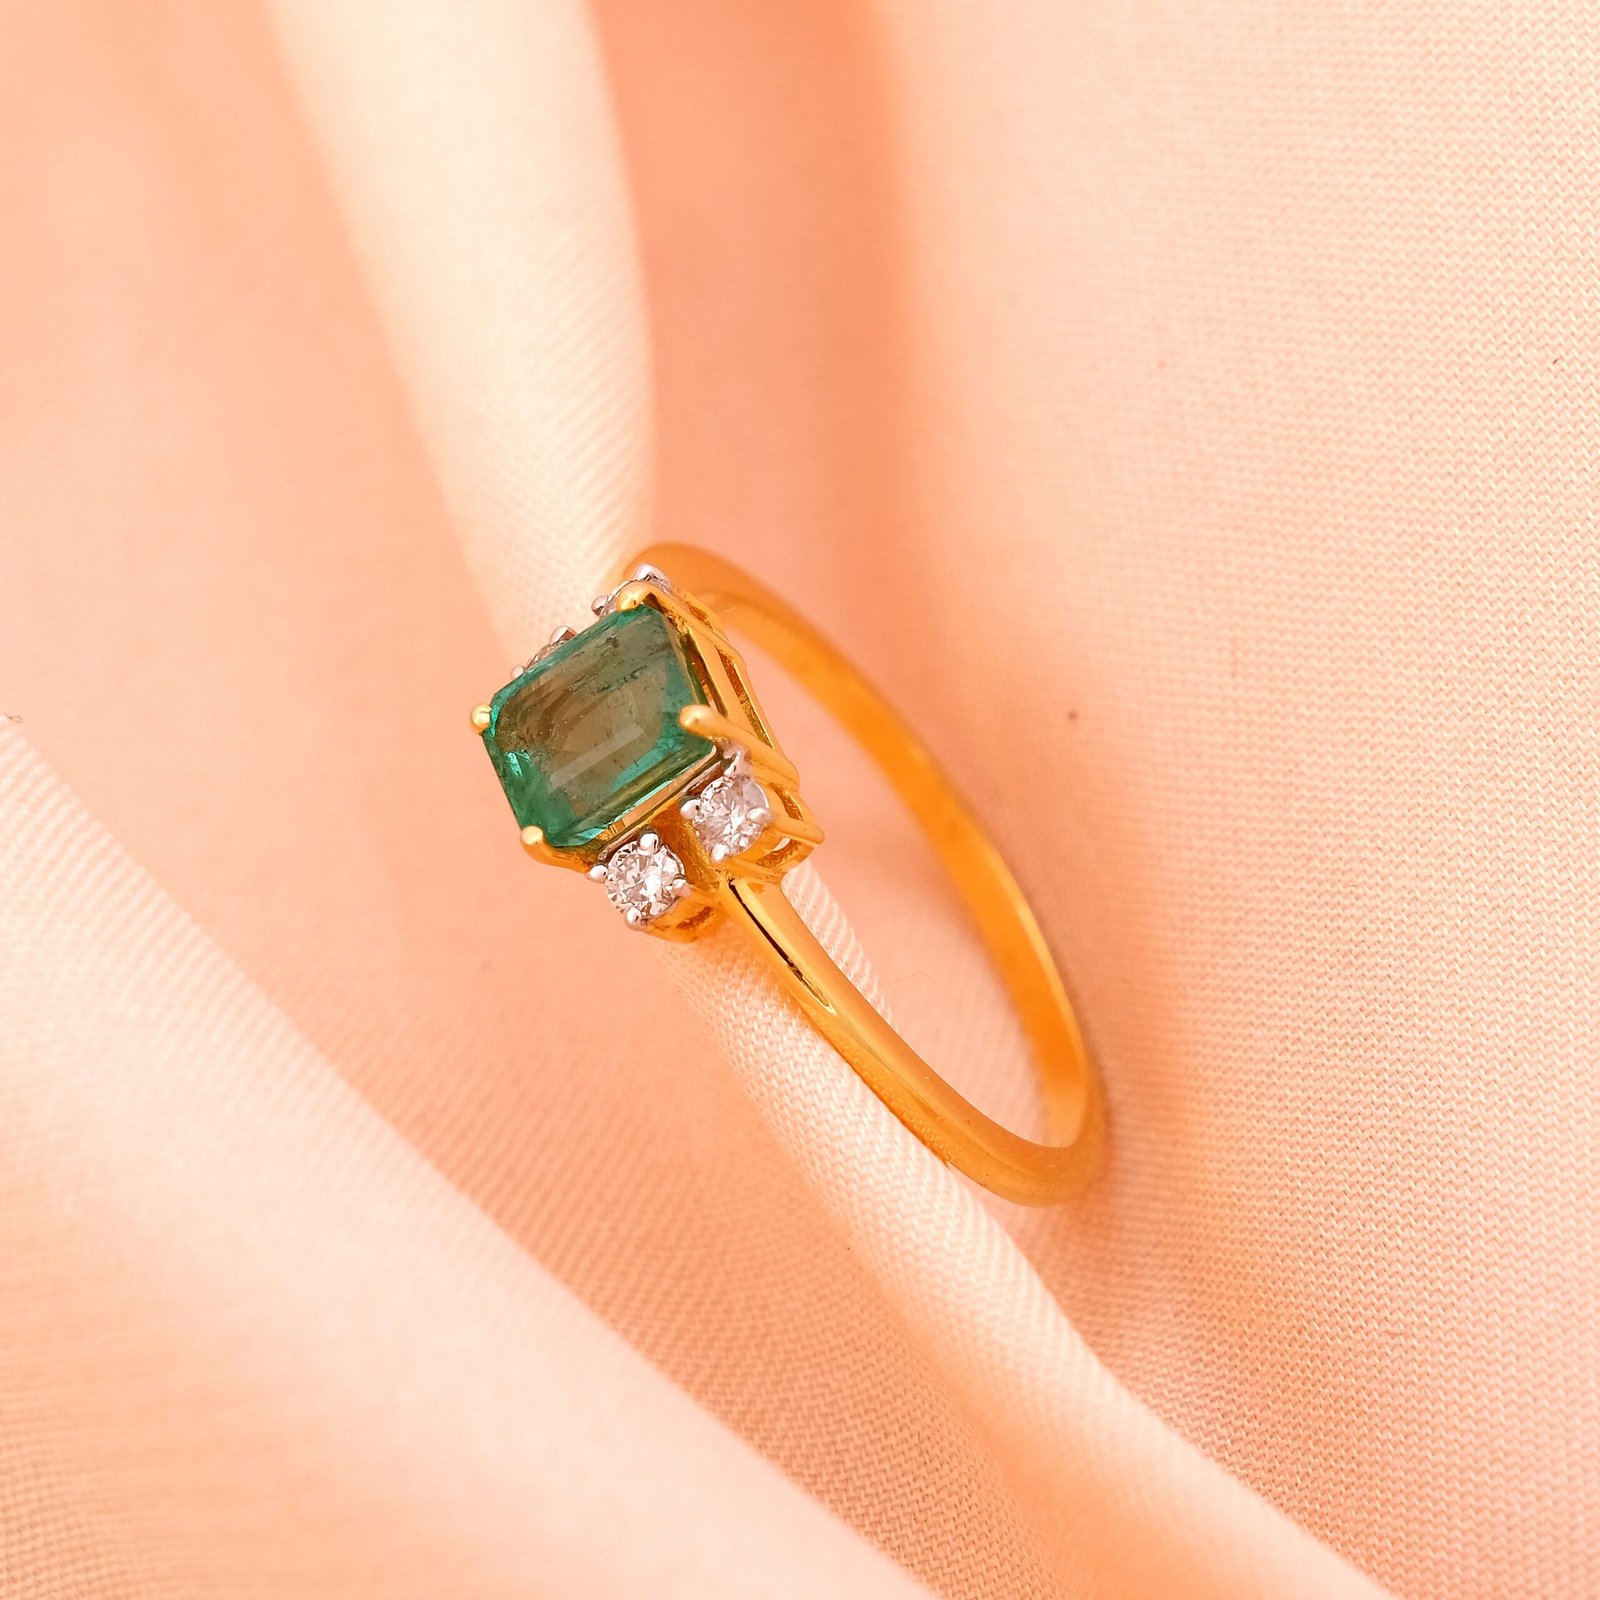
(635, 751)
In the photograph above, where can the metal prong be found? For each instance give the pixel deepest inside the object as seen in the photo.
(710, 724)
(556, 640)
(645, 573)
(682, 889)
(760, 815)
(599, 603)
(688, 809)
(598, 872)
(540, 848)
(480, 718)
(533, 841)
(649, 843)
(719, 852)
(633, 916)
(794, 828)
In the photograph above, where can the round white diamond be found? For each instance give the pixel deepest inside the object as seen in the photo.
(643, 883)
(730, 814)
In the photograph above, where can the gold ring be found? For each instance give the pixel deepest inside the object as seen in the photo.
(635, 751)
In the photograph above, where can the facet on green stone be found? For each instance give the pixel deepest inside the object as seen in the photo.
(590, 731)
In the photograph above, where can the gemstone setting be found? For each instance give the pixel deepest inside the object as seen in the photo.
(589, 733)
(643, 879)
(729, 814)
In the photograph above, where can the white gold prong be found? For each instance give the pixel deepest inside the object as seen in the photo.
(682, 889)
(719, 852)
(561, 635)
(760, 815)
(649, 843)
(598, 872)
(634, 916)
(645, 573)
(688, 809)
(599, 603)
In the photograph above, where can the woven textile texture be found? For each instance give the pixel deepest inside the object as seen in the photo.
(1188, 413)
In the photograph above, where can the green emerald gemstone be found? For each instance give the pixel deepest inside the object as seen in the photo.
(590, 731)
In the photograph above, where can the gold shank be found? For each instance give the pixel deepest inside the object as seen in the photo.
(1016, 1168)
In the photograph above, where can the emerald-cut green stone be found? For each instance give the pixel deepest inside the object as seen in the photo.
(590, 731)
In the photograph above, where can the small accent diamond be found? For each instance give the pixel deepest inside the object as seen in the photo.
(644, 879)
(730, 814)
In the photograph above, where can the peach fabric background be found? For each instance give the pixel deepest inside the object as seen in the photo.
(1189, 412)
